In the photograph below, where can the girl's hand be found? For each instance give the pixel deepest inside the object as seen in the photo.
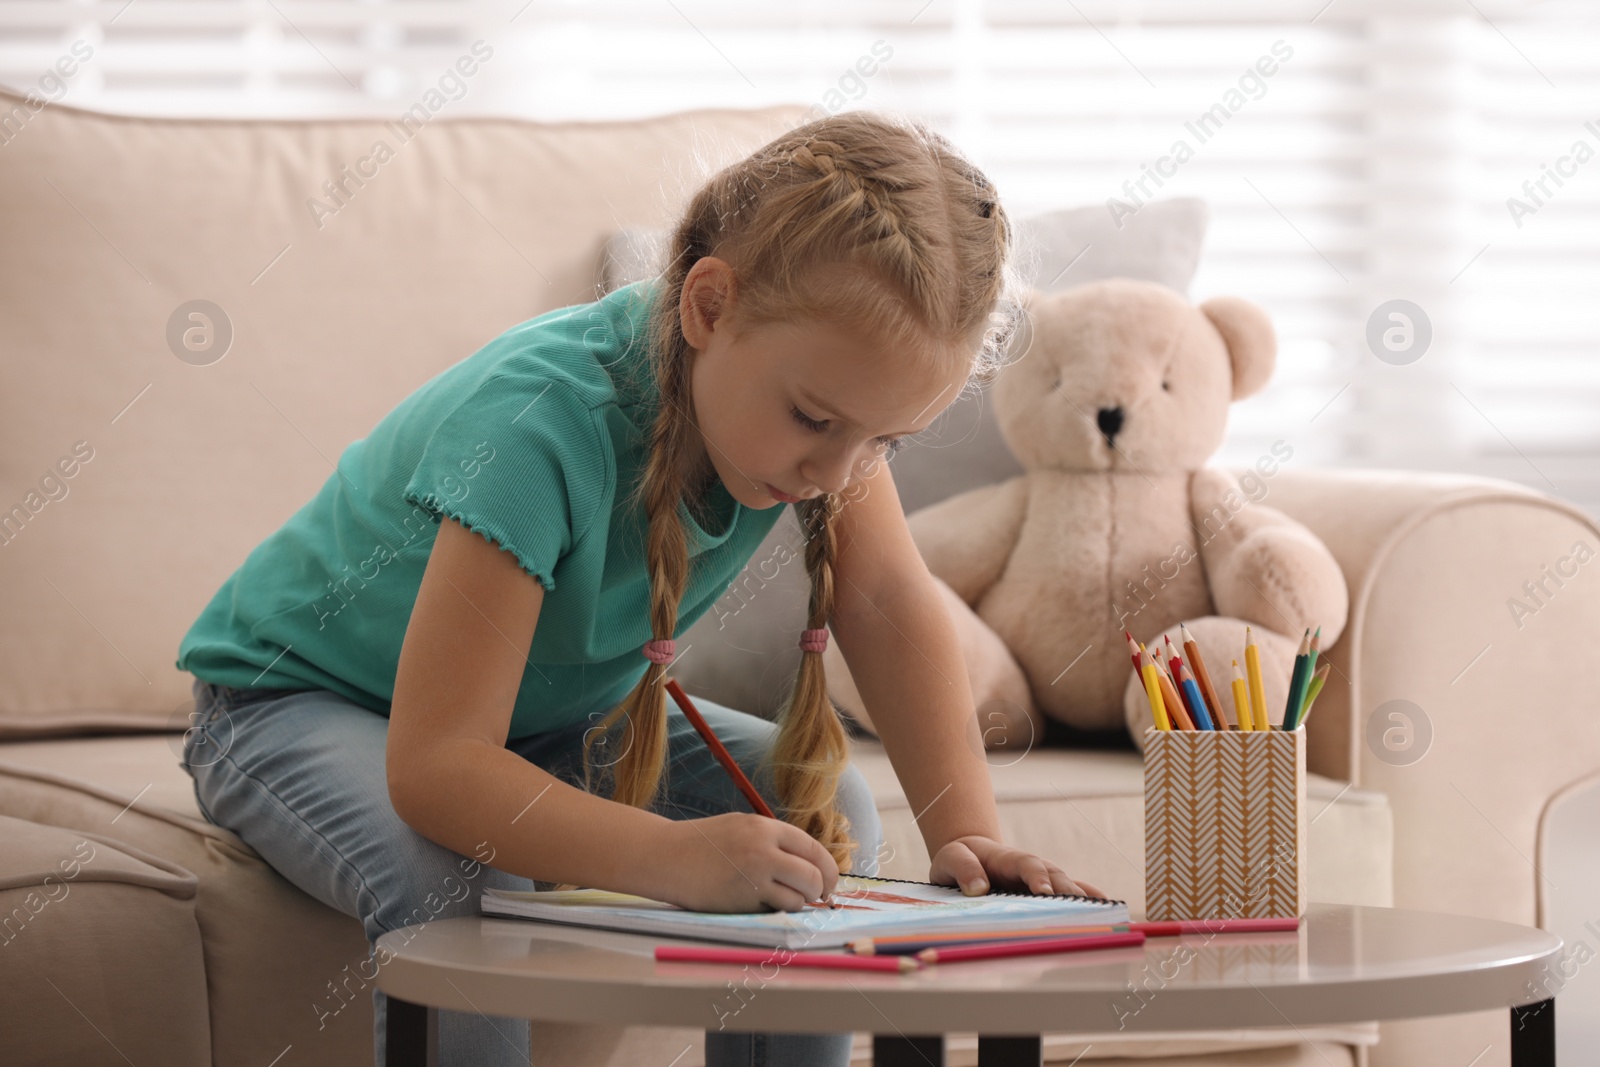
(974, 862)
(741, 862)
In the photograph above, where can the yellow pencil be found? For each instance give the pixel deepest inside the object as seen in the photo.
(1258, 689)
(1152, 689)
(1241, 699)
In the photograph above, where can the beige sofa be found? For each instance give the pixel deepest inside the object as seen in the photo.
(132, 930)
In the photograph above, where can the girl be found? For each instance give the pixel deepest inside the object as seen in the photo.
(429, 680)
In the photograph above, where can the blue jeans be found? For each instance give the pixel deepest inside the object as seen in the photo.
(299, 774)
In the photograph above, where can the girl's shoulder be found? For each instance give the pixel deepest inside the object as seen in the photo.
(598, 349)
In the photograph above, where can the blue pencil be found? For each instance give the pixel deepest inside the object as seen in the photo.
(1196, 702)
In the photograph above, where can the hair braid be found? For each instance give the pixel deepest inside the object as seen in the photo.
(637, 770)
(811, 750)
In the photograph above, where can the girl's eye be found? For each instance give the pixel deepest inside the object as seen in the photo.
(893, 444)
(805, 420)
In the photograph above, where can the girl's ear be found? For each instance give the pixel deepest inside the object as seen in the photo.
(706, 297)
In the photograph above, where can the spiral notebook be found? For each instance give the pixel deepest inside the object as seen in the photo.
(867, 907)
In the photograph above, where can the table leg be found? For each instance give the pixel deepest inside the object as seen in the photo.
(1010, 1051)
(411, 1035)
(1533, 1035)
(898, 1050)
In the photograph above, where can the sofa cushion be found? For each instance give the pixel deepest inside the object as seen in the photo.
(142, 459)
(280, 968)
(1082, 809)
(103, 962)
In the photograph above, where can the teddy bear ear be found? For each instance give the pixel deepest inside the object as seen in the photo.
(1251, 340)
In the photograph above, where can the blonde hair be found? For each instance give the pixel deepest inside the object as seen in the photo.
(859, 219)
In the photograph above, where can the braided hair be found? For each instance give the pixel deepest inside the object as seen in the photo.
(860, 219)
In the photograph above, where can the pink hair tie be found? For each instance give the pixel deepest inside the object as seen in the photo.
(814, 640)
(660, 650)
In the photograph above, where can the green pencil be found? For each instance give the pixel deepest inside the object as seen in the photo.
(1297, 682)
(1311, 668)
(1312, 690)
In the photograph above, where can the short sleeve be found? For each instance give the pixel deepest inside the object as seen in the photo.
(519, 461)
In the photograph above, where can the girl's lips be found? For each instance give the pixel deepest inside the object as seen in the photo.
(780, 495)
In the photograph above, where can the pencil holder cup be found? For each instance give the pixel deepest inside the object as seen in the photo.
(1224, 824)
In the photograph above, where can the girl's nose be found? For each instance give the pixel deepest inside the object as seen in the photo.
(832, 469)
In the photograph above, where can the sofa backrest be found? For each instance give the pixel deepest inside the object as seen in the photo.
(143, 451)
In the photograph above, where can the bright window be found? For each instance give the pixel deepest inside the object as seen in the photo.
(1439, 154)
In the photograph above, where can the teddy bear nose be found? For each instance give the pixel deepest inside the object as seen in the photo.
(1110, 421)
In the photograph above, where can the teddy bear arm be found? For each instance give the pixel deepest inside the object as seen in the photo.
(1264, 567)
(967, 539)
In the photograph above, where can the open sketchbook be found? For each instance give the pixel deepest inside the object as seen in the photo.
(868, 907)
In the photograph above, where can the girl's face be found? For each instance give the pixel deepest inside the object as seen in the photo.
(789, 411)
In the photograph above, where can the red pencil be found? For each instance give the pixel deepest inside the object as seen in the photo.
(1215, 926)
(1172, 928)
(1023, 948)
(785, 957)
(1133, 649)
(1169, 696)
(702, 728)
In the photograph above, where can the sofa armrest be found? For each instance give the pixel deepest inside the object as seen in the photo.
(1447, 612)
(102, 952)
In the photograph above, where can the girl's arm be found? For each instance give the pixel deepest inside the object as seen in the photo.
(452, 779)
(904, 657)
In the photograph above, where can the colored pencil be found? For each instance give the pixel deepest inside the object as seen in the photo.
(1169, 696)
(1035, 934)
(1133, 649)
(1174, 664)
(1297, 682)
(1152, 690)
(911, 945)
(1158, 709)
(1313, 689)
(1311, 666)
(722, 755)
(1203, 678)
(1038, 947)
(1258, 688)
(784, 957)
(1197, 702)
(1193, 702)
(1173, 672)
(866, 946)
(1241, 699)
(1215, 926)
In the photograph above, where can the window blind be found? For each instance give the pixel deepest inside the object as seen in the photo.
(1378, 161)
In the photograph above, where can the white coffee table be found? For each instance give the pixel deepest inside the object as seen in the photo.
(1345, 964)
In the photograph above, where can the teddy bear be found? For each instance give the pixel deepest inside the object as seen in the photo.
(1119, 397)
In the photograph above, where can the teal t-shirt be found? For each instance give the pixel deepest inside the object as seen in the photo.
(533, 441)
